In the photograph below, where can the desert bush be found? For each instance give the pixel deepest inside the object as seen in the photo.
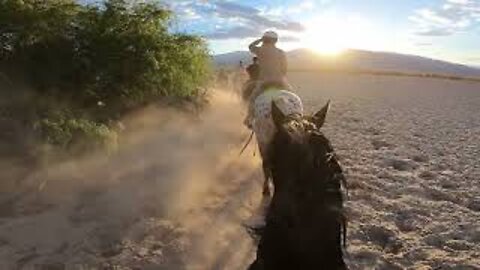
(76, 134)
(117, 54)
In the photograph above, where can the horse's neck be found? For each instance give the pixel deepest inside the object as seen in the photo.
(289, 175)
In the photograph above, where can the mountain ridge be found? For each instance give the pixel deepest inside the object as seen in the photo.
(358, 60)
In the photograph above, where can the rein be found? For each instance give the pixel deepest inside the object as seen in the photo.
(247, 143)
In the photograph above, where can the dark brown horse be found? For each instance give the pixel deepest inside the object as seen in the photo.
(305, 220)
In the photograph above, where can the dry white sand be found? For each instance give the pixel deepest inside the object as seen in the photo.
(176, 194)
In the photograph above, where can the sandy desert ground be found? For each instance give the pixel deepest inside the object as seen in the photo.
(177, 194)
(411, 151)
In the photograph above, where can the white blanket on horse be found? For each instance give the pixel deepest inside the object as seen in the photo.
(262, 124)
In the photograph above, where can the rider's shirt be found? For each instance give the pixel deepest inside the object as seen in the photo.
(272, 62)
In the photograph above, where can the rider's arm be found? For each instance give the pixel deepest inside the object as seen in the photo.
(253, 47)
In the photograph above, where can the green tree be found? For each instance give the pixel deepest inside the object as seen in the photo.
(117, 53)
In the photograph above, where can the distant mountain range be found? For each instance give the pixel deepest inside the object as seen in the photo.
(358, 60)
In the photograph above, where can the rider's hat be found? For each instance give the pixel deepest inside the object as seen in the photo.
(270, 35)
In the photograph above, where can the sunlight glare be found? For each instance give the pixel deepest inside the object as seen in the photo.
(331, 35)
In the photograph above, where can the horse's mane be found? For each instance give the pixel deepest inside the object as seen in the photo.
(338, 180)
(326, 162)
(311, 178)
(322, 150)
(319, 139)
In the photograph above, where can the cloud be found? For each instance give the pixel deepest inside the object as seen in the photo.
(295, 9)
(460, 2)
(252, 16)
(423, 44)
(239, 32)
(453, 16)
(289, 39)
(234, 8)
(237, 21)
(474, 59)
(436, 32)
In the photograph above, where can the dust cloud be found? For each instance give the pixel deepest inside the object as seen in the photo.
(174, 196)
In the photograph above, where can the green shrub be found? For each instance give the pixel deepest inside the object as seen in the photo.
(76, 135)
(117, 53)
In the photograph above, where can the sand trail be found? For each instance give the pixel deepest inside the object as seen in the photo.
(174, 196)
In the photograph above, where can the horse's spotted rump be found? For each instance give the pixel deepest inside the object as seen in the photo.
(263, 125)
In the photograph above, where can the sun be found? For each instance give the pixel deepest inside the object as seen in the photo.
(333, 35)
(325, 36)
(331, 49)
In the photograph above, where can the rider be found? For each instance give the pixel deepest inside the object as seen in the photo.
(272, 76)
(253, 69)
(272, 60)
(272, 68)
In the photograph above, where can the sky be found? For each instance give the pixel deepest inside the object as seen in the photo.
(440, 29)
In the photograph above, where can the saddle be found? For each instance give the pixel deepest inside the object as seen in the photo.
(253, 88)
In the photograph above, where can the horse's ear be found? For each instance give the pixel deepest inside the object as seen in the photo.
(319, 117)
(277, 115)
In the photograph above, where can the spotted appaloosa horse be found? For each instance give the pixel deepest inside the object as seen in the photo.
(304, 223)
(262, 122)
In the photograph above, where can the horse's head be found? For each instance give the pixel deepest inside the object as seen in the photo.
(303, 163)
(298, 147)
